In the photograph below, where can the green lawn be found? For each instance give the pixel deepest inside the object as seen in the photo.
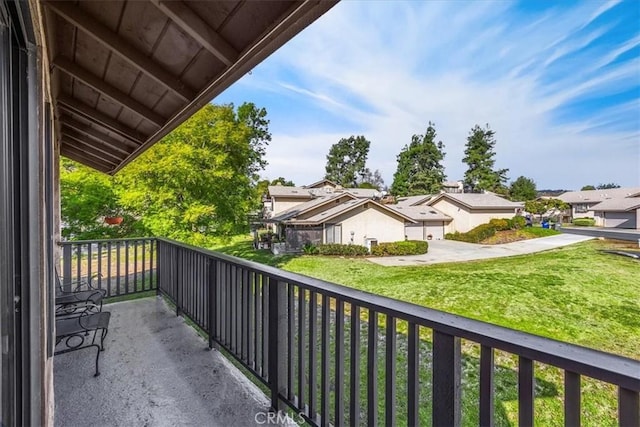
(575, 294)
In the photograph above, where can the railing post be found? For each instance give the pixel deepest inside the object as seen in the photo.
(155, 267)
(66, 265)
(213, 285)
(179, 267)
(277, 341)
(446, 379)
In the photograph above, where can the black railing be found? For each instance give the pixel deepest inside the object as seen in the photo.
(336, 355)
(120, 266)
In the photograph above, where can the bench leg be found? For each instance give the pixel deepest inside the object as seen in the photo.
(97, 374)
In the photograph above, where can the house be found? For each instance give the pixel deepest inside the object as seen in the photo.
(468, 210)
(280, 197)
(414, 200)
(428, 223)
(340, 218)
(618, 213)
(616, 204)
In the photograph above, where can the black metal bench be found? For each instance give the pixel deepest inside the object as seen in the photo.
(82, 331)
(82, 296)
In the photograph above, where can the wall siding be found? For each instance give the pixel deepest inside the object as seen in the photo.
(370, 223)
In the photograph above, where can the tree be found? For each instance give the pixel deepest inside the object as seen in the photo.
(86, 197)
(200, 180)
(588, 187)
(607, 186)
(522, 189)
(281, 181)
(479, 156)
(544, 206)
(346, 161)
(263, 185)
(420, 169)
(371, 180)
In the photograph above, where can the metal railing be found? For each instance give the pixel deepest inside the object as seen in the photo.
(338, 356)
(120, 266)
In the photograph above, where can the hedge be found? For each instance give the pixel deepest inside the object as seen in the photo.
(405, 247)
(517, 222)
(584, 222)
(501, 224)
(338, 249)
(475, 235)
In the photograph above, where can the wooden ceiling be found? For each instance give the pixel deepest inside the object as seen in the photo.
(125, 73)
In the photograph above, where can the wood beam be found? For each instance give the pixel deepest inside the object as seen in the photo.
(80, 157)
(94, 134)
(76, 140)
(79, 73)
(120, 47)
(196, 27)
(81, 109)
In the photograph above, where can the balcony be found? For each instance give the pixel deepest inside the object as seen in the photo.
(327, 354)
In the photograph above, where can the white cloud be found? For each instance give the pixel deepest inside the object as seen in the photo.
(392, 67)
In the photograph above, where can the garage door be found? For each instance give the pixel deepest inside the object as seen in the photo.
(620, 219)
(436, 229)
(414, 231)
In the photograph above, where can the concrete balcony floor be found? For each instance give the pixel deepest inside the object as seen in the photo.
(155, 371)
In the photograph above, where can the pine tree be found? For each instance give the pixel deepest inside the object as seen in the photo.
(346, 161)
(420, 169)
(479, 156)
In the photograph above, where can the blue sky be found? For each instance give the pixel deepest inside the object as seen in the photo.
(559, 82)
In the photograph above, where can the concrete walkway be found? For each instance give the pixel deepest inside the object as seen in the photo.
(155, 371)
(441, 251)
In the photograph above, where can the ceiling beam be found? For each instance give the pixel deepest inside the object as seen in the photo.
(100, 86)
(78, 141)
(81, 157)
(196, 27)
(94, 134)
(133, 138)
(120, 47)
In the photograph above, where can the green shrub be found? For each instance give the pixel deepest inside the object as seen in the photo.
(475, 235)
(406, 247)
(339, 249)
(501, 224)
(310, 249)
(517, 222)
(584, 222)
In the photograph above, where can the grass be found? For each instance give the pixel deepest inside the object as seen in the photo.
(575, 294)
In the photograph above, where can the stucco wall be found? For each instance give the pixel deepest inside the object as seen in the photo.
(281, 204)
(370, 223)
(465, 219)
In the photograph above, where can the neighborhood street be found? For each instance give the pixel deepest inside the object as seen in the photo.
(608, 233)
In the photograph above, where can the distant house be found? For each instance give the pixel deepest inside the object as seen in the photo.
(280, 198)
(414, 200)
(618, 213)
(613, 207)
(468, 210)
(340, 218)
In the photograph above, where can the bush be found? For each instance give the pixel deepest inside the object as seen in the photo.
(339, 249)
(475, 235)
(501, 224)
(517, 222)
(584, 222)
(310, 249)
(406, 247)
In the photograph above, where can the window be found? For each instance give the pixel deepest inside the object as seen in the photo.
(333, 233)
(582, 207)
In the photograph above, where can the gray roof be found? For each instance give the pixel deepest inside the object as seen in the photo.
(478, 200)
(308, 193)
(304, 207)
(286, 191)
(421, 213)
(337, 210)
(594, 196)
(413, 200)
(321, 183)
(622, 204)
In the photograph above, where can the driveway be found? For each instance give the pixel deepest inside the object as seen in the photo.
(453, 251)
